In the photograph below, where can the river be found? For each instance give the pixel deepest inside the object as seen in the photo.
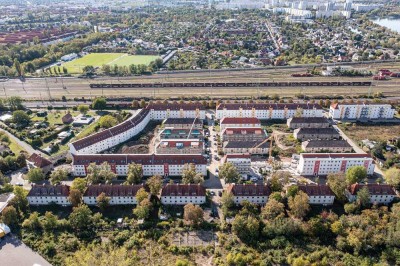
(393, 24)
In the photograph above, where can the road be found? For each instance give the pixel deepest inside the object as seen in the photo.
(14, 252)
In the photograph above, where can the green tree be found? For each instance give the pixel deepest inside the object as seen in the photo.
(272, 210)
(299, 205)
(141, 195)
(103, 201)
(83, 109)
(20, 202)
(100, 173)
(80, 184)
(143, 209)
(18, 68)
(75, 197)
(292, 191)
(355, 174)
(35, 175)
(229, 173)
(80, 218)
(50, 222)
(246, 228)
(193, 214)
(135, 174)
(20, 117)
(190, 176)
(10, 216)
(363, 197)
(392, 177)
(107, 121)
(57, 176)
(154, 183)
(32, 223)
(100, 103)
(88, 70)
(227, 203)
(338, 184)
(15, 102)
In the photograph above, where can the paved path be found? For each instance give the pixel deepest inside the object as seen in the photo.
(14, 252)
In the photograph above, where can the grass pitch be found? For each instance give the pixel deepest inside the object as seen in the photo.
(100, 59)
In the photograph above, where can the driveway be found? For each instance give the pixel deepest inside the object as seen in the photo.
(14, 252)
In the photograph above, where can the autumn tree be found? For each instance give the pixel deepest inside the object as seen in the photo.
(80, 184)
(392, 177)
(229, 173)
(273, 209)
(143, 209)
(9, 216)
(193, 214)
(190, 176)
(247, 228)
(299, 205)
(154, 183)
(355, 174)
(75, 197)
(57, 176)
(107, 121)
(50, 222)
(338, 184)
(141, 194)
(135, 173)
(363, 197)
(102, 201)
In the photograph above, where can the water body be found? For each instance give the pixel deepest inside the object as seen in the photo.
(393, 24)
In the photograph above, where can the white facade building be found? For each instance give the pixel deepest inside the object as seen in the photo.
(49, 194)
(361, 111)
(253, 193)
(379, 193)
(318, 194)
(268, 110)
(235, 122)
(118, 194)
(182, 194)
(242, 162)
(152, 164)
(326, 163)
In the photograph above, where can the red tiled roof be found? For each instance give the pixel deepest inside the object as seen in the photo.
(316, 190)
(240, 120)
(266, 106)
(67, 118)
(144, 159)
(248, 190)
(175, 106)
(49, 190)
(335, 155)
(189, 190)
(113, 190)
(39, 161)
(374, 189)
(237, 155)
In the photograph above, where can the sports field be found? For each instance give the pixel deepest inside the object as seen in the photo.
(99, 59)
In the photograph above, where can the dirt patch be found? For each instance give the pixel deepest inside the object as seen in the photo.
(193, 238)
(379, 132)
(143, 143)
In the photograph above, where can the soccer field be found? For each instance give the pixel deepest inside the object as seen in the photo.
(99, 59)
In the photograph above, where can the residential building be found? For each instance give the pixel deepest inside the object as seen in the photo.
(314, 164)
(318, 194)
(316, 133)
(361, 111)
(242, 147)
(179, 133)
(379, 193)
(162, 111)
(67, 118)
(182, 194)
(183, 123)
(48, 194)
(152, 164)
(118, 194)
(243, 134)
(326, 146)
(268, 110)
(308, 122)
(184, 146)
(253, 193)
(83, 120)
(227, 122)
(38, 161)
(242, 162)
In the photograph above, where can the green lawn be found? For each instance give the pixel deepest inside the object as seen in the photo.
(14, 147)
(99, 59)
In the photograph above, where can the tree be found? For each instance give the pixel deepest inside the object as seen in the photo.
(154, 183)
(363, 197)
(20, 202)
(135, 173)
(272, 210)
(141, 195)
(9, 216)
(100, 173)
(355, 174)
(190, 176)
(18, 68)
(35, 175)
(88, 70)
(193, 213)
(103, 201)
(80, 184)
(50, 222)
(83, 109)
(75, 197)
(107, 121)
(143, 209)
(276, 196)
(100, 103)
(392, 177)
(32, 223)
(229, 172)
(299, 205)
(278, 179)
(337, 183)
(246, 228)
(292, 191)
(80, 218)
(20, 117)
(227, 203)
(15, 102)
(58, 175)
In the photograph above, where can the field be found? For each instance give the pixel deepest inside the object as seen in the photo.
(99, 59)
(379, 132)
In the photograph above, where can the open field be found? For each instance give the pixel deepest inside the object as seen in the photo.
(99, 59)
(378, 132)
(35, 88)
